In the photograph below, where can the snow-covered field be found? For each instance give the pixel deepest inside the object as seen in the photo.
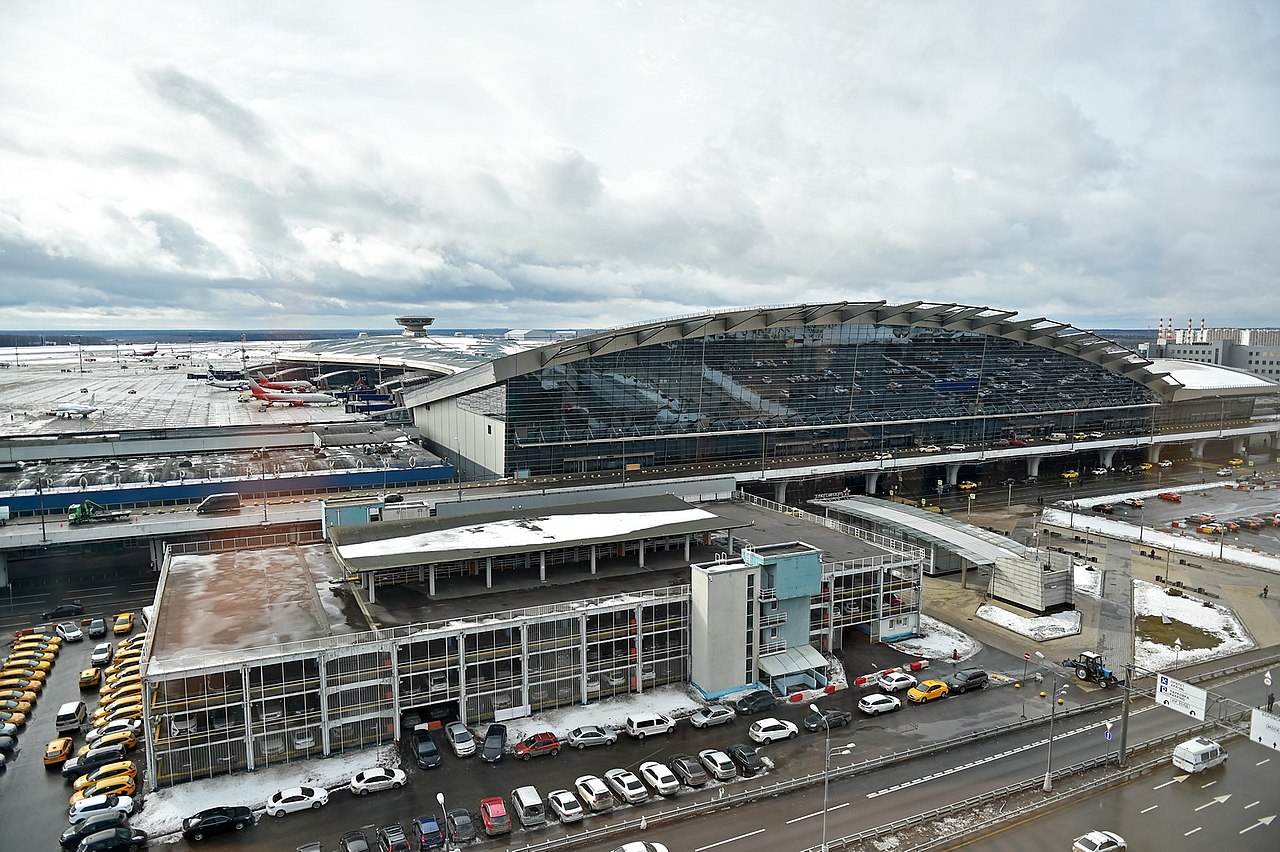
(1219, 621)
(940, 641)
(1040, 628)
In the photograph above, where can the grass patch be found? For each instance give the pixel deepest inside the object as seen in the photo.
(1153, 629)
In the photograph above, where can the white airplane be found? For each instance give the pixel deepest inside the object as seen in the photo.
(229, 384)
(289, 397)
(296, 385)
(72, 409)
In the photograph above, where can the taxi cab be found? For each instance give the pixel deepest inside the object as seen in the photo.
(34, 662)
(123, 624)
(124, 710)
(16, 705)
(125, 738)
(26, 684)
(18, 695)
(1235, 462)
(927, 690)
(121, 785)
(13, 717)
(968, 485)
(91, 677)
(57, 751)
(1071, 474)
(107, 770)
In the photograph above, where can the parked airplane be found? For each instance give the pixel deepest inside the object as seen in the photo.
(298, 385)
(72, 409)
(290, 398)
(229, 384)
(147, 353)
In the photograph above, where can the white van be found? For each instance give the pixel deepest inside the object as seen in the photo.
(1198, 755)
(71, 717)
(1057, 436)
(528, 806)
(641, 725)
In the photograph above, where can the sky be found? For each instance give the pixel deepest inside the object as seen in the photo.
(575, 164)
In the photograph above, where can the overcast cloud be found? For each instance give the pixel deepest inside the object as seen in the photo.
(572, 163)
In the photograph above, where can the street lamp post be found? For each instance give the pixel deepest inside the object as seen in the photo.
(1054, 693)
(826, 773)
(444, 821)
(44, 538)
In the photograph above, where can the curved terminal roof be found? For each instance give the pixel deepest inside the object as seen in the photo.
(1193, 378)
(1039, 331)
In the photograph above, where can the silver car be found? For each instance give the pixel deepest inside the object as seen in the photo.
(591, 735)
(715, 715)
(460, 739)
(565, 805)
(717, 764)
(627, 786)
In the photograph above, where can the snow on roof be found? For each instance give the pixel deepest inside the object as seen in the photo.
(1198, 376)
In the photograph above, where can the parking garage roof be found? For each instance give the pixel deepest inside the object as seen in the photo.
(402, 544)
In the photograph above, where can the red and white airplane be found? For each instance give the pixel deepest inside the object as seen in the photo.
(298, 385)
(147, 353)
(290, 397)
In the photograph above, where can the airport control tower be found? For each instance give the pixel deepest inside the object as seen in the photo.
(415, 326)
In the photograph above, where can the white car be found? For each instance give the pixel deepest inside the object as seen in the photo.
(956, 448)
(715, 715)
(717, 764)
(931, 448)
(565, 805)
(661, 779)
(460, 739)
(594, 793)
(1099, 471)
(70, 631)
(591, 735)
(1099, 841)
(627, 786)
(615, 678)
(641, 846)
(1164, 463)
(379, 778)
(293, 799)
(132, 725)
(1222, 471)
(112, 803)
(895, 681)
(875, 704)
(771, 730)
(101, 655)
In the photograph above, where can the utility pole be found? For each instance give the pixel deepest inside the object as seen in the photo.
(1124, 717)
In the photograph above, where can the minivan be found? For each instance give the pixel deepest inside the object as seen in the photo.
(528, 806)
(1198, 755)
(227, 502)
(641, 725)
(71, 717)
(1056, 436)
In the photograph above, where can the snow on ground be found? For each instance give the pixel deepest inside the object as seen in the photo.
(674, 701)
(940, 641)
(164, 810)
(1157, 537)
(1150, 599)
(1040, 628)
(1088, 580)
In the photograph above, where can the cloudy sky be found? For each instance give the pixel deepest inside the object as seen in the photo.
(580, 163)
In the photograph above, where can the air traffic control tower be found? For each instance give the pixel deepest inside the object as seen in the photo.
(415, 326)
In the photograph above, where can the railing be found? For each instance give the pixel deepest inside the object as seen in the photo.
(773, 618)
(767, 595)
(881, 541)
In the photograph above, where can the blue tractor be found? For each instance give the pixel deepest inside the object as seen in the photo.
(1090, 666)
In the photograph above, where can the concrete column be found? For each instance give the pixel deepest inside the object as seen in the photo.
(870, 480)
(1107, 456)
(421, 575)
(4, 569)
(1033, 465)
(730, 542)
(953, 473)
(780, 492)
(488, 572)
(1197, 448)
(156, 547)
(1238, 446)
(1153, 453)
(593, 559)
(641, 550)
(395, 692)
(542, 566)
(528, 560)
(688, 540)
(372, 586)
(431, 589)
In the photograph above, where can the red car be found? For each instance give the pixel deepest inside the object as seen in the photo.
(541, 743)
(1171, 496)
(493, 812)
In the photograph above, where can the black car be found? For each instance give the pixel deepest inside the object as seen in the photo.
(834, 717)
(425, 750)
(97, 627)
(391, 838)
(495, 742)
(93, 758)
(353, 841)
(113, 839)
(967, 679)
(746, 759)
(63, 610)
(459, 826)
(754, 702)
(688, 770)
(92, 824)
(216, 821)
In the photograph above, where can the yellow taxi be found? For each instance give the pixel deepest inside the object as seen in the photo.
(128, 665)
(107, 770)
(39, 638)
(23, 672)
(15, 705)
(118, 685)
(13, 717)
(927, 690)
(125, 738)
(1235, 462)
(123, 625)
(41, 645)
(57, 751)
(134, 641)
(33, 653)
(1145, 466)
(1071, 474)
(130, 693)
(18, 695)
(122, 711)
(25, 684)
(34, 663)
(968, 485)
(90, 677)
(121, 785)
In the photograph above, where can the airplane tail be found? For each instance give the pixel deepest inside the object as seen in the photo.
(92, 397)
(257, 390)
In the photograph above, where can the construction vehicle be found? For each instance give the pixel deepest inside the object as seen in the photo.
(1090, 666)
(90, 512)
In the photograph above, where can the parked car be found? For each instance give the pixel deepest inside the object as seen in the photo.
(57, 751)
(964, 680)
(459, 825)
(353, 841)
(216, 821)
(746, 758)
(717, 714)
(566, 806)
(391, 838)
(718, 764)
(114, 840)
(875, 704)
(97, 627)
(895, 681)
(428, 832)
(424, 748)
(927, 690)
(494, 816)
(827, 718)
(292, 799)
(594, 793)
(591, 735)
(82, 809)
(377, 779)
(688, 770)
(754, 702)
(1099, 841)
(70, 631)
(101, 655)
(659, 778)
(771, 730)
(537, 745)
(70, 839)
(123, 625)
(460, 739)
(626, 786)
(112, 785)
(63, 610)
(107, 770)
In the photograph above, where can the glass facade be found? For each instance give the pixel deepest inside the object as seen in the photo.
(755, 397)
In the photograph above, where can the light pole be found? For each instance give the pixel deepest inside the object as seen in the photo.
(44, 538)
(826, 772)
(444, 821)
(1054, 693)
(264, 492)
(1009, 501)
(969, 506)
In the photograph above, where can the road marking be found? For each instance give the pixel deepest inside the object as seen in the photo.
(818, 813)
(1191, 832)
(1152, 808)
(730, 840)
(1251, 804)
(1177, 780)
(1266, 820)
(1207, 786)
(1264, 760)
(1216, 800)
